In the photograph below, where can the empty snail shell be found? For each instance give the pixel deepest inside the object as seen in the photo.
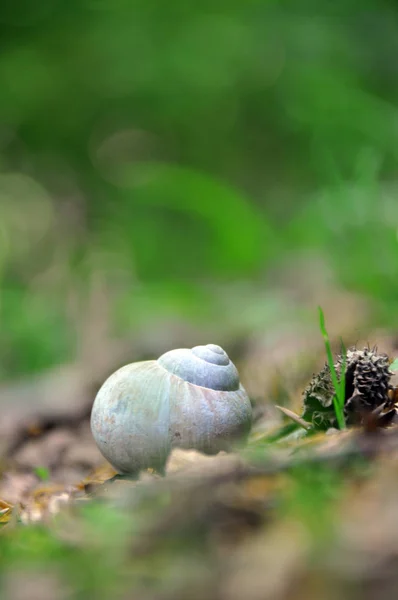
(189, 398)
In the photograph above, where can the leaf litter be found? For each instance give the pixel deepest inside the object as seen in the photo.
(294, 516)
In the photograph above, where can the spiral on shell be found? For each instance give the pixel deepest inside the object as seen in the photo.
(208, 366)
(191, 398)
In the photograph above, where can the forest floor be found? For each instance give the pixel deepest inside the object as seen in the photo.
(297, 518)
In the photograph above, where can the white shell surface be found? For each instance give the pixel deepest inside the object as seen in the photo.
(208, 366)
(142, 411)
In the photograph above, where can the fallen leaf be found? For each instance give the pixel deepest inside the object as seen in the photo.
(97, 477)
(5, 511)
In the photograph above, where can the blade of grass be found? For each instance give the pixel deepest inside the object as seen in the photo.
(342, 376)
(42, 472)
(339, 386)
(394, 365)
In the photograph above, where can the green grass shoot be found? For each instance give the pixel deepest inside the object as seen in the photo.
(339, 386)
(394, 365)
(42, 472)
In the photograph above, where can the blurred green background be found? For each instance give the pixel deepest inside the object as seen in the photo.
(171, 150)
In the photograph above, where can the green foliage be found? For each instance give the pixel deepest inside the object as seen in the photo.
(34, 332)
(175, 146)
(42, 472)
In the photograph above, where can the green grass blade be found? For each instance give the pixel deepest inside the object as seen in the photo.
(341, 391)
(339, 386)
(394, 365)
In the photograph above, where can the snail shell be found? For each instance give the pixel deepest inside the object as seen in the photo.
(190, 398)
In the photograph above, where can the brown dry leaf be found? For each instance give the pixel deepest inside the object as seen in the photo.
(46, 502)
(34, 429)
(5, 511)
(43, 492)
(97, 477)
(35, 512)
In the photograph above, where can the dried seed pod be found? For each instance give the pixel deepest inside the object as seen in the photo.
(321, 388)
(368, 375)
(318, 400)
(367, 389)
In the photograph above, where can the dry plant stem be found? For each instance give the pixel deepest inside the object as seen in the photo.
(289, 413)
